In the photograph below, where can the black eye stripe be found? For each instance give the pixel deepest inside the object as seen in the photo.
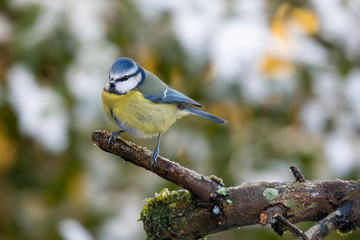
(126, 77)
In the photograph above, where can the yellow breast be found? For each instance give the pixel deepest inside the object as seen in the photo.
(139, 116)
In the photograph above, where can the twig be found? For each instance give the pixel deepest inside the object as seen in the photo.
(291, 227)
(330, 223)
(298, 176)
(201, 186)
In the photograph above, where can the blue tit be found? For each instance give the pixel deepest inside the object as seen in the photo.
(142, 105)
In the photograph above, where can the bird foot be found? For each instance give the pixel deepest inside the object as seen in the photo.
(114, 135)
(154, 156)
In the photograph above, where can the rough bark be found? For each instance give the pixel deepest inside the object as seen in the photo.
(211, 207)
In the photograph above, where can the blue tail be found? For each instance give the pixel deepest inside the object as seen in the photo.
(203, 114)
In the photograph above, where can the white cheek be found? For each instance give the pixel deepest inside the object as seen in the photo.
(126, 86)
(138, 77)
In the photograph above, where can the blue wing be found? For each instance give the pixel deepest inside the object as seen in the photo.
(169, 95)
(157, 91)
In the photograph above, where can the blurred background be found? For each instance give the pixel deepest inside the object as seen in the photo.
(285, 74)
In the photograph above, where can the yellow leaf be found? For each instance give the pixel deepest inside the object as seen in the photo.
(286, 17)
(307, 20)
(277, 68)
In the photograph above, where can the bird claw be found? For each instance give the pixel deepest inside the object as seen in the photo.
(114, 135)
(154, 156)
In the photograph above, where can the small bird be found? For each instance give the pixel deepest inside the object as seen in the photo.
(142, 105)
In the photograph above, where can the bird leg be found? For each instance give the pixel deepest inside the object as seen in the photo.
(156, 151)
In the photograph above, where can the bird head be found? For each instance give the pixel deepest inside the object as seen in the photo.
(125, 75)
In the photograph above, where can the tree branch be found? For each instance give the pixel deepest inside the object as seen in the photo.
(338, 219)
(212, 207)
(201, 186)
